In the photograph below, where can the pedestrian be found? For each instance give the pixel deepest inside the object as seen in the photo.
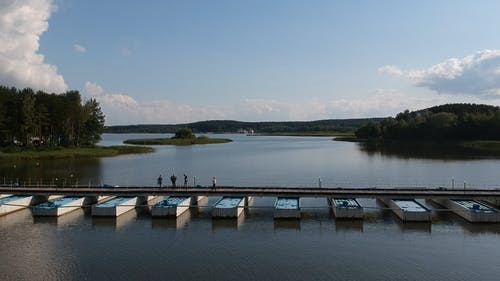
(160, 181)
(185, 181)
(214, 182)
(173, 178)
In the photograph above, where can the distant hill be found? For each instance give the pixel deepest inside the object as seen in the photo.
(231, 126)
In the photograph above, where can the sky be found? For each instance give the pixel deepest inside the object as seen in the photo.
(170, 62)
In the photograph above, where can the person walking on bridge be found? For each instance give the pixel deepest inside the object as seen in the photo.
(214, 182)
(185, 181)
(173, 179)
(160, 181)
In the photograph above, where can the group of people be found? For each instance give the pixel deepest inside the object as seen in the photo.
(173, 179)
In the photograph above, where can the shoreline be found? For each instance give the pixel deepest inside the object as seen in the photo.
(79, 152)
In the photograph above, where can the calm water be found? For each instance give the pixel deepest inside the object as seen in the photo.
(253, 247)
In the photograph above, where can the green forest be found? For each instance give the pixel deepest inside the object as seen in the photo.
(230, 126)
(444, 122)
(29, 119)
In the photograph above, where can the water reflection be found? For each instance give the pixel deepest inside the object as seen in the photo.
(287, 224)
(421, 150)
(67, 219)
(349, 225)
(406, 226)
(67, 171)
(169, 222)
(17, 217)
(115, 222)
(227, 223)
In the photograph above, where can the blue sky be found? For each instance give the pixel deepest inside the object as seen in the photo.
(183, 61)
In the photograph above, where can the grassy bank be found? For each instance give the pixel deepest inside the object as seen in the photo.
(170, 141)
(96, 151)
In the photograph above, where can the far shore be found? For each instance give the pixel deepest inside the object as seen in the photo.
(179, 141)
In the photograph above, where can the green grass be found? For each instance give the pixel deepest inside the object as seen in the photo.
(95, 151)
(170, 141)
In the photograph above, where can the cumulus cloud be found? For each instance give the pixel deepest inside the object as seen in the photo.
(79, 48)
(121, 108)
(477, 74)
(22, 22)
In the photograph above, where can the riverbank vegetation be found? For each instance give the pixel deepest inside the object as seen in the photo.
(462, 130)
(445, 122)
(182, 137)
(42, 125)
(30, 119)
(73, 152)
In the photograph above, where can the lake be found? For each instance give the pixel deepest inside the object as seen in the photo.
(135, 246)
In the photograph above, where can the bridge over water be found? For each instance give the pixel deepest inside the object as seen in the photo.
(270, 191)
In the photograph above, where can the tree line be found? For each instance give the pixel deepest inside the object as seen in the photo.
(230, 126)
(29, 118)
(445, 122)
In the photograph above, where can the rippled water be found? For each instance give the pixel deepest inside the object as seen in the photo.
(194, 246)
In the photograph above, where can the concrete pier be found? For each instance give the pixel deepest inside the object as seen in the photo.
(228, 207)
(18, 202)
(408, 209)
(196, 200)
(114, 207)
(471, 210)
(171, 206)
(287, 208)
(58, 207)
(346, 208)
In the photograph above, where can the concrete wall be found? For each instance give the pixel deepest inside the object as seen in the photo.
(342, 212)
(406, 215)
(171, 211)
(282, 213)
(22, 203)
(470, 215)
(228, 212)
(61, 210)
(115, 210)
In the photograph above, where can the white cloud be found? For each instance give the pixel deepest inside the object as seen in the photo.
(124, 109)
(22, 22)
(79, 48)
(477, 74)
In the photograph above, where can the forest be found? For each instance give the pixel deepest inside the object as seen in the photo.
(444, 122)
(29, 119)
(230, 126)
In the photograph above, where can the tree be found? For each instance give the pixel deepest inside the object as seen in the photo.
(185, 133)
(93, 122)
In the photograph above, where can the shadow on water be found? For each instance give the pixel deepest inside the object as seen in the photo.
(227, 223)
(63, 220)
(349, 225)
(287, 224)
(115, 222)
(423, 150)
(415, 226)
(171, 222)
(14, 218)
